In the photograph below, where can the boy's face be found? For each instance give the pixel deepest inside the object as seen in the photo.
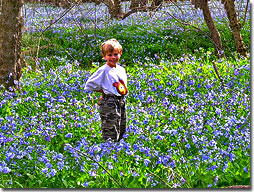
(112, 58)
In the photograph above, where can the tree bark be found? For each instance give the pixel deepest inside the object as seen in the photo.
(235, 26)
(11, 22)
(215, 35)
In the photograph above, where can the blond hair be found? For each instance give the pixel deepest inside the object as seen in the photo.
(111, 45)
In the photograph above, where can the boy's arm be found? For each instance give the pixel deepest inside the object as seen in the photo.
(94, 82)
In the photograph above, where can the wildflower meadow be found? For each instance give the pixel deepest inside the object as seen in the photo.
(186, 128)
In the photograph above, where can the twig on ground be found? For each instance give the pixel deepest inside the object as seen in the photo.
(52, 23)
(68, 145)
(159, 178)
(218, 74)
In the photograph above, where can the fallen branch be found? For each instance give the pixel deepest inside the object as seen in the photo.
(140, 9)
(33, 50)
(218, 74)
(151, 173)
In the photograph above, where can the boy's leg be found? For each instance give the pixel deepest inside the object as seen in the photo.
(110, 118)
(123, 119)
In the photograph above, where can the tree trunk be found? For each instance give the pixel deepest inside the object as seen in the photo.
(235, 26)
(215, 35)
(11, 22)
(115, 8)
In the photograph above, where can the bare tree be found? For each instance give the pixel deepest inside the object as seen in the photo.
(215, 35)
(114, 7)
(115, 10)
(11, 22)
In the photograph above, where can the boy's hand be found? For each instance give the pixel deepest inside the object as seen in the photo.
(101, 91)
(99, 101)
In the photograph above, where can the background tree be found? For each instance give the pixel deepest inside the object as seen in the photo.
(115, 10)
(139, 5)
(11, 22)
(235, 26)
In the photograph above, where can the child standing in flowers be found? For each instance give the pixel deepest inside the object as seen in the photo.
(111, 80)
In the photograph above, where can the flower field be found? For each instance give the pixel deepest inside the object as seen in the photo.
(185, 129)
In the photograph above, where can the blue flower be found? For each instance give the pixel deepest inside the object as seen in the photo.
(173, 144)
(216, 180)
(48, 165)
(52, 173)
(92, 173)
(61, 99)
(245, 169)
(187, 146)
(60, 126)
(6, 170)
(110, 166)
(60, 165)
(44, 170)
(225, 166)
(68, 135)
(85, 184)
(135, 174)
(191, 82)
(147, 161)
(159, 137)
(135, 146)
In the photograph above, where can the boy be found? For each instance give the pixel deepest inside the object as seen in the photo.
(111, 80)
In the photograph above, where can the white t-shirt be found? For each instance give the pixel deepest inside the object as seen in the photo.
(108, 78)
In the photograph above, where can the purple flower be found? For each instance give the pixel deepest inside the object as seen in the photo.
(245, 169)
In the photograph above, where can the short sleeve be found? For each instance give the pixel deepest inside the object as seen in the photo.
(94, 82)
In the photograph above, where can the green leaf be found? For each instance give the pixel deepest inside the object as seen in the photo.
(30, 176)
(20, 185)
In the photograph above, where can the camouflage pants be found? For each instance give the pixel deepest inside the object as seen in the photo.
(113, 117)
